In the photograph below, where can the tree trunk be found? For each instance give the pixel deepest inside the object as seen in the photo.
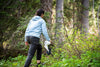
(84, 19)
(59, 12)
(1, 40)
(47, 6)
(59, 20)
(73, 13)
(98, 21)
(94, 22)
(1, 47)
(93, 11)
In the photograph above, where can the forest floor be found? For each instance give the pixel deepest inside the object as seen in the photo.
(89, 59)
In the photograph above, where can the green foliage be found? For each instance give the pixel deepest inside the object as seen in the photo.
(18, 35)
(13, 62)
(76, 50)
(11, 13)
(66, 55)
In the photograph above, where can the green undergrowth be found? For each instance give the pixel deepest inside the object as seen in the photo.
(85, 54)
(89, 59)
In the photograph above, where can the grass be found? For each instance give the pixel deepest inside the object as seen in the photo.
(88, 59)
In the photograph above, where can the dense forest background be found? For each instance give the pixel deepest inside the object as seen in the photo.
(73, 26)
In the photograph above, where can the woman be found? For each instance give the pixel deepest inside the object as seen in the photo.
(35, 27)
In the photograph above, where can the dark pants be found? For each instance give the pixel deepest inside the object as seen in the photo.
(34, 45)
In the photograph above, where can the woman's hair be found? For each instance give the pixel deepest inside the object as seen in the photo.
(39, 12)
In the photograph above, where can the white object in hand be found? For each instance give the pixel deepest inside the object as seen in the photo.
(46, 43)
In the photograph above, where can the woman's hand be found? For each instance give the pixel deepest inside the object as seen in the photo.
(50, 41)
(26, 43)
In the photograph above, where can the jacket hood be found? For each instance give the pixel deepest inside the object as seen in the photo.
(35, 18)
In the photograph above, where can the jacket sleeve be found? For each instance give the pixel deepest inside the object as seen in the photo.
(44, 31)
(25, 38)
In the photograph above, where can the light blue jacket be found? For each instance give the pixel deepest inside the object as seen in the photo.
(35, 27)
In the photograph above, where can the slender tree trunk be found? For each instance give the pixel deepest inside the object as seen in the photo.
(94, 22)
(73, 13)
(59, 20)
(1, 39)
(1, 47)
(93, 10)
(84, 19)
(98, 21)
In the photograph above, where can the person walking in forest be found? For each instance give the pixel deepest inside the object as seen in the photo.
(34, 29)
